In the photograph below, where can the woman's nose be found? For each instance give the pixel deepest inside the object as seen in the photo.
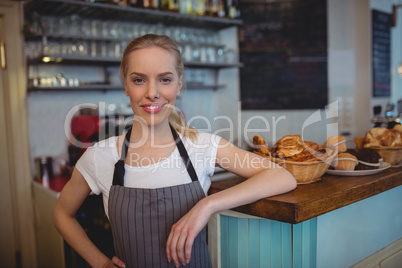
(152, 91)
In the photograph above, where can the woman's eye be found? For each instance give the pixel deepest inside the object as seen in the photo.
(138, 80)
(166, 80)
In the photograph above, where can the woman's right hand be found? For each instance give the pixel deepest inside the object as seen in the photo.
(114, 262)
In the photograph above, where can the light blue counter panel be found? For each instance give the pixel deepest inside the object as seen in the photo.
(337, 239)
(258, 243)
(305, 244)
(352, 233)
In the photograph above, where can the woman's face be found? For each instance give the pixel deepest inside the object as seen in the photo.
(152, 83)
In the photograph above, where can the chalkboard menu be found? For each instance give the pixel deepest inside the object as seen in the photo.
(381, 53)
(283, 47)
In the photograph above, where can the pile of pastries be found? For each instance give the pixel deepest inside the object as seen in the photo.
(366, 156)
(381, 137)
(293, 148)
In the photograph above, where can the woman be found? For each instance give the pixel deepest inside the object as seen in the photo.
(154, 179)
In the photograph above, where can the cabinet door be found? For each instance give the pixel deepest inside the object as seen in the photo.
(49, 243)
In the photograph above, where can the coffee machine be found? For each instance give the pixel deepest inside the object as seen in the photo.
(390, 118)
(91, 125)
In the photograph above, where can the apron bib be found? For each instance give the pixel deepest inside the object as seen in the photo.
(141, 219)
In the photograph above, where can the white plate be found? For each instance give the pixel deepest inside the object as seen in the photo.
(383, 166)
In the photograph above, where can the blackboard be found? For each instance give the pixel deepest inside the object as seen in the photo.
(381, 53)
(283, 48)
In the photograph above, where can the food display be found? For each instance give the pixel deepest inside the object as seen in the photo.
(306, 160)
(386, 142)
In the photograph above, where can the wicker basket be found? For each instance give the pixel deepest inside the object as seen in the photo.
(392, 155)
(306, 172)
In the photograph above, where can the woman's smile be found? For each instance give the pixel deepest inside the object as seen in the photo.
(153, 108)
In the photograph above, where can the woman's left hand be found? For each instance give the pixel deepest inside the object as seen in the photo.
(183, 233)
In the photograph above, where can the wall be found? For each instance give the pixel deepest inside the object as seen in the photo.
(396, 53)
(397, 58)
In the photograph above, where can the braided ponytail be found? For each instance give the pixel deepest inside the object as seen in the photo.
(178, 123)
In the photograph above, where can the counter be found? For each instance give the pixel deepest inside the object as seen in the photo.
(335, 222)
(311, 200)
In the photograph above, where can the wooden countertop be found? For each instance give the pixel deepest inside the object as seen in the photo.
(311, 200)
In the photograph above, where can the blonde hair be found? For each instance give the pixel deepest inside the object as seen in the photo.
(165, 42)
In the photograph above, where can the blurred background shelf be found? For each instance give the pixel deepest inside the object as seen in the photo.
(127, 13)
(77, 88)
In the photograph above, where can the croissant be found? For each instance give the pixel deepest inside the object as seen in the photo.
(338, 142)
(382, 137)
(311, 146)
(260, 145)
(289, 145)
(398, 127)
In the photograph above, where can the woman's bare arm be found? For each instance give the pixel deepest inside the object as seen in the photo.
(264, 179)
(71, 198)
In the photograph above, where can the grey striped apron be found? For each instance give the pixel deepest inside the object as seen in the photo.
(141, 219)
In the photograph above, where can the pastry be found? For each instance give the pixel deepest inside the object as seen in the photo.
(293, 148)
(337, 142)
(398, 127)
(260, 145)
(289, 145)
(382, 137)
(359, 143)
(345, 161)
(311, 146)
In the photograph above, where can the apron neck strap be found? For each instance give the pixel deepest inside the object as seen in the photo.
(119, 170)
(184, 155)
(126, 144)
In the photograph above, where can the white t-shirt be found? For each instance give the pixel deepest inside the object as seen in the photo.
(97, 166)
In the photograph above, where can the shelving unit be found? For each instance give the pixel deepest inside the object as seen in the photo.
(77, 88)
(109, 87)
(112, 13)
(126, 13)
(115, 61)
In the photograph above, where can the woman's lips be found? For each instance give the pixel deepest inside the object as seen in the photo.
(153, 108)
